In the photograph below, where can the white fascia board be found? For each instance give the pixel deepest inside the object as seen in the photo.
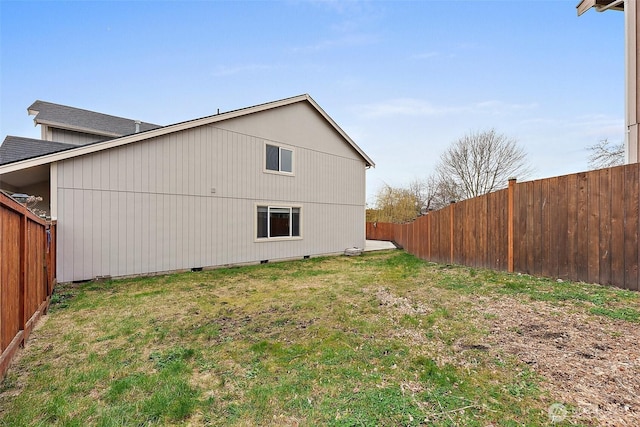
(585, 5)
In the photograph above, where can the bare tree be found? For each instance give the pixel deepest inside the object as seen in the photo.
(435, 192)
(605, 154)
(482, 162)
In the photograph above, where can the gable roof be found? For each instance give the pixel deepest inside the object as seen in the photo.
(16, 148)
(128, 139)
(79, 120)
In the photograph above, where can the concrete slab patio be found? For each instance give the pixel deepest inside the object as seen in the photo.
(378, 245)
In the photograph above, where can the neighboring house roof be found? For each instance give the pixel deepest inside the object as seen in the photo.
(16, 148)
(600, 5)
(79, 120)
(128, 139)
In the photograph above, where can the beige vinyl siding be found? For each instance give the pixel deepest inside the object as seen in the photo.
(188, 199)
(72, 137)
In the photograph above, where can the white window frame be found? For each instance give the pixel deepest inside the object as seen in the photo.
(280, 148)
(270, 206)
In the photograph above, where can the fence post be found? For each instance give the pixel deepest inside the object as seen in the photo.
(451, 236)
(510, 209)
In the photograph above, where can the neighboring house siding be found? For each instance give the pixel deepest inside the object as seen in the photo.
(71, 137)
(149, 206)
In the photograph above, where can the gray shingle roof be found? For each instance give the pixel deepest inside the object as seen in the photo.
(72, 118)
(15, 148)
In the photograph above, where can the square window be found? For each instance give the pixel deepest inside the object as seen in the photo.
(278, 159)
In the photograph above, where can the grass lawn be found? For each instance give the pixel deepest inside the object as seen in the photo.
(379, 339)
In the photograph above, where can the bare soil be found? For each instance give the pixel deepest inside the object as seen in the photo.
(589, 363)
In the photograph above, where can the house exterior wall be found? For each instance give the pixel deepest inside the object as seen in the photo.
(189, 199)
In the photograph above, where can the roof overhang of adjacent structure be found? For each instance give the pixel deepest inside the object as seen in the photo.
(128, 139)
(599, 5)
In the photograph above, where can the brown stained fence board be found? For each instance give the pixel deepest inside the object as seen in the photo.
(502, 223)
(520, 252)
(460, 232)
(582, 229)
(466, 232)
(443, 236)
(405, 235)
(495, 242)
(492, 232)
(561, 230)
(553, 240)
(532, 230)
(435, 236)
(457, 232)
(478, 219)
(593, 224)
(430, 236)
(545, 229)
(538, 236)
(472, 217)
(434, 230)
(572, 227)
(617, 226)
(631, 227)
(499, 222)
(415, 242)
(422, 236)
(463, 232)
(480, 227)
(416, 237)
(605, 228)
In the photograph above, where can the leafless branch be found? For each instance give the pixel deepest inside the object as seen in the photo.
(605, 154)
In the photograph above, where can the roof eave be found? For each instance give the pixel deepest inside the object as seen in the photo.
(599, 5)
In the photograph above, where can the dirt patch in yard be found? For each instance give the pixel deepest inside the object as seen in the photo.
(591, 364)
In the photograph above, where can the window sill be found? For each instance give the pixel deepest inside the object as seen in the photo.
(278, 172)
(276, 239)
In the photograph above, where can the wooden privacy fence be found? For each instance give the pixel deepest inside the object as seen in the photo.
(581, 227)
(27, 274)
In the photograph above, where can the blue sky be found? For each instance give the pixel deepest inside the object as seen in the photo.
(403, 78)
